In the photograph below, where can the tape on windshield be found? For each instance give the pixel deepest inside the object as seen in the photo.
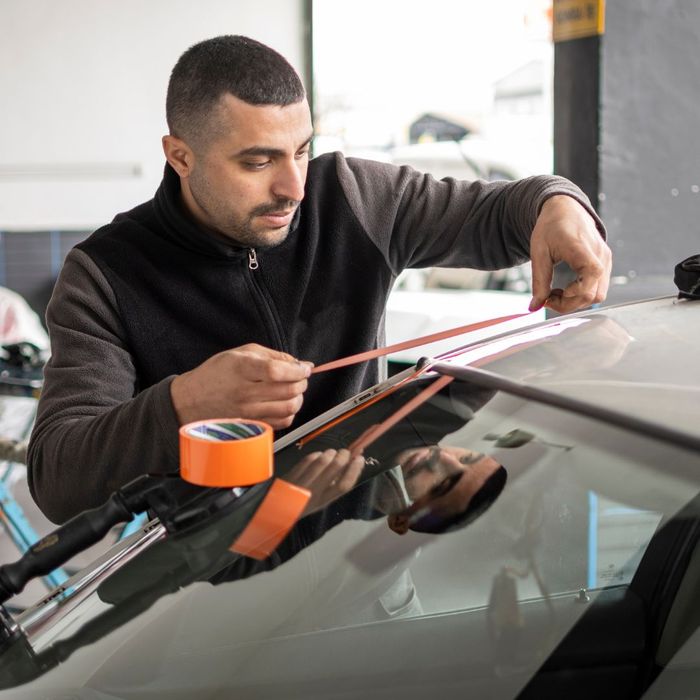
(226, 452)
(278, 513)
(366, 440)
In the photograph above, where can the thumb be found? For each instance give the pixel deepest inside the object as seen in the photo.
(305, 365)
(542, 271)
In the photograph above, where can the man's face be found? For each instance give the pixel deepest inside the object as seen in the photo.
(425, 467)
(440, 480)
(248, 180)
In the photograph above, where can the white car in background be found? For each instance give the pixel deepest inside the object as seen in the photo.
(468, 159)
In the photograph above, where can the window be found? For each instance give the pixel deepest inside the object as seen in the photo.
(568, 517)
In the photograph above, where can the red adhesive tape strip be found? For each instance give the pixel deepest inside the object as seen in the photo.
(409, 344)
(226, 452)
(275, 517)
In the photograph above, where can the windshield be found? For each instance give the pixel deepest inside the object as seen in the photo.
(480, 528)
(638, 359)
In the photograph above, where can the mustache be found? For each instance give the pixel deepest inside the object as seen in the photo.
(274, 207)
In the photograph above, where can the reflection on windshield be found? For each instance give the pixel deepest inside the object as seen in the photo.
(492, 497)
(417, 483)
(325, 465)
(447, 487)
(571, 348)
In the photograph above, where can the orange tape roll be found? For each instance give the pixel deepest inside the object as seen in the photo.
(282, 506)
(226, 452)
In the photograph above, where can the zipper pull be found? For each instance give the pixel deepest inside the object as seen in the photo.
(252, 259)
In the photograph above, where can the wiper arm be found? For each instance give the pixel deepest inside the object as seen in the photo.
(203, 526)
(175, 502)
(20, 664)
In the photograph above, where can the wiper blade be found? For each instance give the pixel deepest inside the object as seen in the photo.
(202, 524)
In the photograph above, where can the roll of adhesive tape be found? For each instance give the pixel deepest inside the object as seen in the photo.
(226, 452)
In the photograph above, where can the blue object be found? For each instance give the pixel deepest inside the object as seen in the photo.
(135, 524)
(19, 529)
(592, 540)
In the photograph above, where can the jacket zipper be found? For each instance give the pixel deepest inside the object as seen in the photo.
(252, 259)
(274, 325)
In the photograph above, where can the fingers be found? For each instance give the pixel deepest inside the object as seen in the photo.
(309, 469)
(246, 382)
(328, 475)
(275, 386)
(352, 473)
(590, 286)
(542, 271)
(329, 467)
(278, 391)
(279, 414)
(264, 365)
(565, 232)
(344, 471)
(299, 474)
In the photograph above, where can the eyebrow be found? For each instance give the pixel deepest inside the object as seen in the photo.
(268, 151)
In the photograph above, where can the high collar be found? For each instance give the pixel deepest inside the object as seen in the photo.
(179, 228)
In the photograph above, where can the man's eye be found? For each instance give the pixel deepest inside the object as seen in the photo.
(255, 165)
(446, 485)
(302, 153)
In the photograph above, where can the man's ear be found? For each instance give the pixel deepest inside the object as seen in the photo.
(178, 154)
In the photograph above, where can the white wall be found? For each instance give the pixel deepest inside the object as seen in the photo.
(82, 97)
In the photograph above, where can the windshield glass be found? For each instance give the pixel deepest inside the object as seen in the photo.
(475, 526)
(638, 359)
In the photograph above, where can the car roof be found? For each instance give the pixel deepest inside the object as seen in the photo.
(637, 359)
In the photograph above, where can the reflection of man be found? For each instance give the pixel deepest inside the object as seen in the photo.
(403, 464)
(327, 475)
(198, 303)
(446, 487)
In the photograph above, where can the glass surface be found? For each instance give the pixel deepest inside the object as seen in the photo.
(554, 528)
(638, 359)
(518, 507)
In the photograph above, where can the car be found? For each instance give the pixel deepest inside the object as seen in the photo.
(471, 158)
(526, 524)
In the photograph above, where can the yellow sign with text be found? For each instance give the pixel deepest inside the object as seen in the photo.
(575, 19)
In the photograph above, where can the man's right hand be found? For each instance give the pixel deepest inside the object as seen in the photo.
(250, 381)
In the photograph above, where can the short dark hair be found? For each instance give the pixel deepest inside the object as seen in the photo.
(238, 65)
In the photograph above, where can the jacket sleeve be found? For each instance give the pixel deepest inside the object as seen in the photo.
(95, 431)
(418, 221)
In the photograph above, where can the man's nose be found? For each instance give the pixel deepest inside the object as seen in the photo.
(289, 183)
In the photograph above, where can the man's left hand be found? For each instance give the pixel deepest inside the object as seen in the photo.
(566, 232)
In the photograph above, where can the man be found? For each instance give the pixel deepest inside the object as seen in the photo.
(215, 298)
(447, 487)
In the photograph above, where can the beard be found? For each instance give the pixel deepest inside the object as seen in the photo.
(241, 229)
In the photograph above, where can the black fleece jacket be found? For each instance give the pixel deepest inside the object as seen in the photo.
(152, 295)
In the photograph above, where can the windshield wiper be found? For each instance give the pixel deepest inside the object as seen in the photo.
(201, 523)
(175, 502)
